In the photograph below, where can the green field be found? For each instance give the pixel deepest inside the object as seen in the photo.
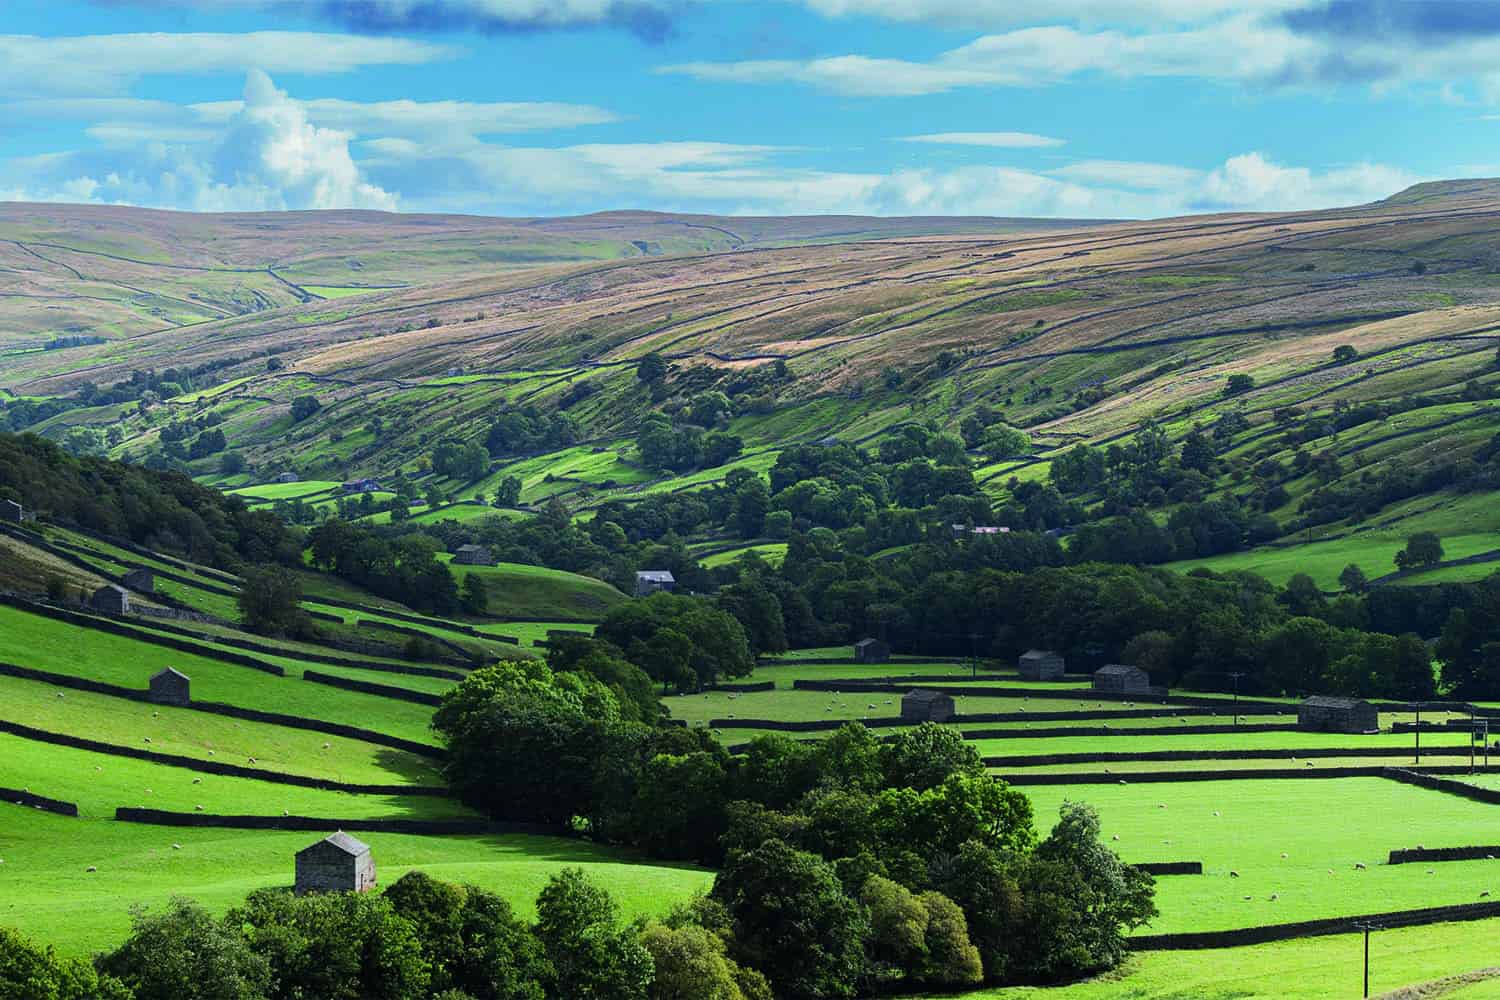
(1320, 968)
(517, 590)
(1323, 561)
(46, 891)
(1324, 827)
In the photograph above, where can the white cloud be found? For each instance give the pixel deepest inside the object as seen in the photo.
(1006, 13)
(267, 157)
(858, 76)
(415, 118)
(994, 140)
(93, 66)
(1251, 181)
(1244, 46)
(1128, 174)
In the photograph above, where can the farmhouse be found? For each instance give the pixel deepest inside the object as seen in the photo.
(337, 863)
(649, 581)
(1121, 678)
(1337, 715)
(170, 687)
(926, 706)
(473, 555)
(111, 599)
(361, 486)
(11, 511)
(1041, 665)
(141, 580)
(980, 529)
(871, 651)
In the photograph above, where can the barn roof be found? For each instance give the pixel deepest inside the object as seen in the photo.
(341, 840)
(110, 588)
(866, 642)
(922, 694)
(656, 575)
(1118, 670)
(470, 548)
(1330, 701)
(1037, 654)
(169, 672)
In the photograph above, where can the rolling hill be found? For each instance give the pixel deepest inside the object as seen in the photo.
(815, 328)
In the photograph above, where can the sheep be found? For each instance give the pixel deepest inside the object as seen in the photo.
(91, 868)
(1485, 894)
(176, 847)
(1248, 898)
(197, 781)
(1359, 866)
(146, 738)
(1115, 837)
(327, 745)
(210, 753)
(1161, 805)
(251, 759)
(1233, 873)
(1122, 781)
(197, 809)
(1216, 812)
(1275, 896)
(1283, 855)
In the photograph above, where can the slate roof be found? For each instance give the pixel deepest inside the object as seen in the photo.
(169, 672)
(656, 575)
(349, 845)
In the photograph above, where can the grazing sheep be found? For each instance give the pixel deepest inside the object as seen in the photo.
(1359, 866)
(1161, 805)
(1308, 764)
(146, 738)
(1283, 855)
(1216, 812)
(210, 753)
(1122, 781)
(1485, 894)
(1275, 896)
(327, 745)
(251, 759)
(1115, 837)
(197, 781)
(91, 868)
(1233, 873)
(1248, 898)
(197, 809)
(176, 847)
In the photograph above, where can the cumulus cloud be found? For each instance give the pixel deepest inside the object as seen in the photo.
(1129, 174)
(94, 66)
(425, 118)
(266, 157)
(651, 20)
(994, 140)
(1007, 13)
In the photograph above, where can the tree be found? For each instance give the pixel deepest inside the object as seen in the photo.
(475, 594)
(923, 938)
(471, 939)
(1238, 385)
(336, 944)
(1422, 549)
(1411, 674)
(1344, 354)
(508, 492)
(1004, 441)
(32, 972)
(304, 407)
(183, 953)
(924, 756)
(593, 958)
(270, 601)
(231, 463)
(651, 368)
(690, 964)
(1353, 579)
(792, 921)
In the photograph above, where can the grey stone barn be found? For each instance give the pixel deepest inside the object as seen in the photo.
(111, 599)
(926, 706)
(1121, 678)
(141, 580)
(171, 687)
(1326, 714)
(1041, 665)
(287, 477)
(11, 511)
(649, 581)
(872, 651)
(473, 555)
(337, 863)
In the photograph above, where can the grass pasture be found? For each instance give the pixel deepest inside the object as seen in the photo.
(517, 590)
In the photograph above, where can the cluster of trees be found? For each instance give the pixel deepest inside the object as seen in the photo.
(401, 567)
(527, 429)
(420, 937)
(848, 865)
(457, 460)
(684, 446)
(162, 510)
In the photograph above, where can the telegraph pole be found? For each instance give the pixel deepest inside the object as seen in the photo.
(1367, 928)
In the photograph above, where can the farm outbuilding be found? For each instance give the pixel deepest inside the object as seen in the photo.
(926, 706)
(473, 555)
(1326, 714)
(111, 599)
(337, 863)
(872, 651)
(1041, 665)
(649, 581)
(11, 511)
(141, 580)
(171, 687)
(287, 477)
(1121, 678)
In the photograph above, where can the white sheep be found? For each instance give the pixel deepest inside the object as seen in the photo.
(1359, 866)
(176, 847)
(1233, 873)
(91, 868)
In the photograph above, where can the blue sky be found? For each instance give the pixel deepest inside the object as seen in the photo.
(1081, 108)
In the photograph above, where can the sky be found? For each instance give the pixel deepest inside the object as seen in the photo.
(1062, 108)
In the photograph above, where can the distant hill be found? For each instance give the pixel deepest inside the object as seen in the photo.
(813, 327)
